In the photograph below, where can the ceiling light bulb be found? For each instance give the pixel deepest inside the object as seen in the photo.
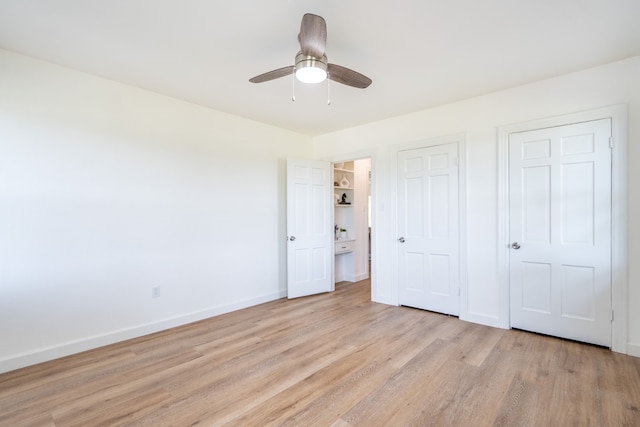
(311, 75)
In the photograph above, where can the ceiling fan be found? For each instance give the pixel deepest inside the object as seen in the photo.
(311, 65)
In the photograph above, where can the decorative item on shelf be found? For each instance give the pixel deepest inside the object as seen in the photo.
(336, 199)
(344, 182)
(343, 234)
(338, 165)
(343, 200)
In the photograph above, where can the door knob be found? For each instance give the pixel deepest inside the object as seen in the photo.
(401, 240)
(515, 245)
(292, 238)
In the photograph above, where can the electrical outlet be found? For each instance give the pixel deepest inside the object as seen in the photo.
(155, 292)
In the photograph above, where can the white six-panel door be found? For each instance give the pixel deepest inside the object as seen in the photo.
(560, 231)
(309, 228)
(428, 241)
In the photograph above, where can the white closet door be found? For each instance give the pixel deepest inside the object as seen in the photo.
(560, 231)
(428, 241)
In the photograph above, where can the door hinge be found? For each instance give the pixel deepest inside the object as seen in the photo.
(612, 315)
(458, 291)
(610, 142)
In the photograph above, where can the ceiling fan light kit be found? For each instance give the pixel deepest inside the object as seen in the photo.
(311, 65)
(310, 69)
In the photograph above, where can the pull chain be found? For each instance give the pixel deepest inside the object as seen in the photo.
(293, 85)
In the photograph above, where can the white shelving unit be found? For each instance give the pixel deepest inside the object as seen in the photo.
(344, 190)
(343, 180)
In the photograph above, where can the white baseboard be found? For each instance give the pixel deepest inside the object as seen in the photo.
(633, 349)
(483, 319)
(359, 277)
(65, 349)
(384, 300)
(353, 277)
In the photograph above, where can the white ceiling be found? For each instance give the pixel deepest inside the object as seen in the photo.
(419, 53)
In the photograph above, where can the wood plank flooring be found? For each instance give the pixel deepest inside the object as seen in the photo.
(329, 360)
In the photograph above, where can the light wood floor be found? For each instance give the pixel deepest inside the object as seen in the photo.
(329, 360)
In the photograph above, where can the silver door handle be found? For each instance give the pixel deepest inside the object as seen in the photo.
(292, 238)
(401, 240)
(515, 245)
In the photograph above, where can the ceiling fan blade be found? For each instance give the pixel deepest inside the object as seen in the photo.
(313, 35)
(274, 74)
(347, 77)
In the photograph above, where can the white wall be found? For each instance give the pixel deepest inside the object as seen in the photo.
(479, 119)
(107, 191)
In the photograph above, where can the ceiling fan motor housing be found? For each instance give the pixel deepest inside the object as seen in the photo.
(310, 69)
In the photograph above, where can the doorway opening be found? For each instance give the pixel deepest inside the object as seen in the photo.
(352, 220)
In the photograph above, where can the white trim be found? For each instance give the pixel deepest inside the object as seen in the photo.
(619, 263)
(463, 308)
(633, 349)
(72, 347)
(359, 277)
(460, 140)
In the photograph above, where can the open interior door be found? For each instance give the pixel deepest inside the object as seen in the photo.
(309, 228)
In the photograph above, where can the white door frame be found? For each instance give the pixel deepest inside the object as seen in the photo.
(460, 141)
(619, 285)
